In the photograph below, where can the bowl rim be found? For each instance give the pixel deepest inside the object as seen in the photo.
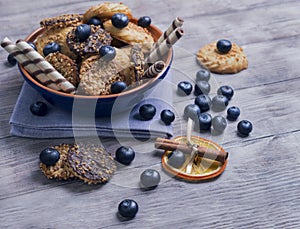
(33, 35)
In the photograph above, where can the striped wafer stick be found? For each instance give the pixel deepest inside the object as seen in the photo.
(154, 69)
(164, 47)
(33, 70)
(46, 67)
(178, 22)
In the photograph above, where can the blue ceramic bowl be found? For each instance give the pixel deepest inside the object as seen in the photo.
(102, 105)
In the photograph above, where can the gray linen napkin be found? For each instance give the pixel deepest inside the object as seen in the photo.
(62, 124)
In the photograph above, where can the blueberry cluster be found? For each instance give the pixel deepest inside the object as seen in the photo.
(203, 103)
(148, 111)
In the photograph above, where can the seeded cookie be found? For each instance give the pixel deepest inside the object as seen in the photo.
(131, 34)
(61, 170)
(65, 66)
(106, 10)
(224, 63)
(91, 163)
(57, 35)
(97, 75)
(62, 21)
(92, 44)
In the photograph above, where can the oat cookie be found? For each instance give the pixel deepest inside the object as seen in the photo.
(91, 163)
(61, 170)
(65, 66)
(62, 21)
(91, 45)
(131, 34)
(232, 62)
(106, 10)
(57, 35)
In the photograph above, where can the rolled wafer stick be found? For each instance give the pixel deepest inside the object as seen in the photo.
(154, 69)
(178, 22)
(33, 70)
(46, 67)
(165, 46)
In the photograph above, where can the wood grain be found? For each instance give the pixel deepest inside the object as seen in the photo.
(260, 186)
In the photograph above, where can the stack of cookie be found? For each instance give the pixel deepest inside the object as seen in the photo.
(87, 162)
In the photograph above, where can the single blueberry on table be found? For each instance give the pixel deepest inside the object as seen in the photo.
(184, 88)
(118, 87)
(150, 178)
(244, 127)
(219, 103)
(94, 21)
(192, 111)
(224, 46)
(125, 155)
(226, 91)
(202, 87)
(219, 123)
(203, 75)
(49, 156)
(39, 108)
(82, 32)
(128, 208)
(205, 121)
(107, 52)
(233, 113)
(167, 116)
(144, 21)
(11, 60)
(147, 111)
(204, 102)
(176, 159)
(119, 20)
(51, 47)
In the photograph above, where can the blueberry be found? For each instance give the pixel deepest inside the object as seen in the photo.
(233, 113)
(125, 155)
(224, 46)
(219, 123)
(150, 178)
(184, 88)
(244, 127)
(32, 45)
(128, 208)
(219, 103)
(192, 111)
(51, 47)
(147, 111)
(107, 52)
(39, 108)
(202, 87)
(167, 116)
(144, 21)
(118, 87)
(119, 20)
(226, 91)
(94, 21)
(203, 75)
(82, 32)
(176, 159)
(204, 102)
(11, 60)
(205, 121)
(49, 156)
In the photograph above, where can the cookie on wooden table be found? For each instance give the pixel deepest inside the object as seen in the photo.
(61, 170)
(91, 163)
(224, 63)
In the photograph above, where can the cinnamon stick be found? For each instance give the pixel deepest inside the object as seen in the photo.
(204, 152)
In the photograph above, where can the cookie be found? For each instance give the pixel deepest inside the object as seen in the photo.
(97, 75)
(132, 34)
(92, 44)
(91, 163)
(61, 170)
(65, 66)
(106, 10)
(62, 21)
(57, 35)
(232, 62)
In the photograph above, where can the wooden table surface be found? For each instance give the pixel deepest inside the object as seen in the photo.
(260, 186)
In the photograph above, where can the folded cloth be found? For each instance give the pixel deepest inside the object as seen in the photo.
(58, 123)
